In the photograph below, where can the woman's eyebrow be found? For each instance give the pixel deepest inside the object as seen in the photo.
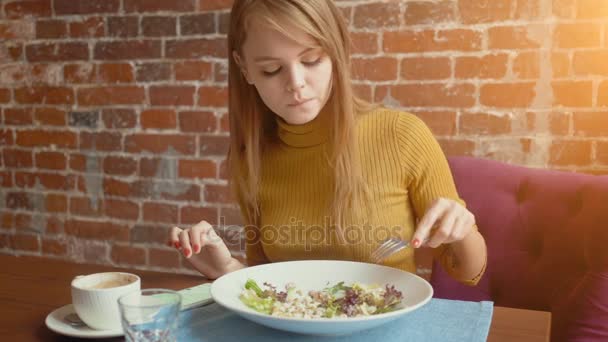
(270, 58)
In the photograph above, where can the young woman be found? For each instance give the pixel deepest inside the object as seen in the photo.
(318, 173)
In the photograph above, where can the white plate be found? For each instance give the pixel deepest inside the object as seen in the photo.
(56, 323)
(315, 275)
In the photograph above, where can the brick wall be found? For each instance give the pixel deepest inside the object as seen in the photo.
(114, 124)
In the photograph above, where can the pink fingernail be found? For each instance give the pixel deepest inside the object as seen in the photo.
(196, 248)
(186, 252)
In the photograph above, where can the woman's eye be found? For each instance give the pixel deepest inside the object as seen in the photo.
(271, 73)
(312, 62)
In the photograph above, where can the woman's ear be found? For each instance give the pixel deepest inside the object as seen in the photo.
(241, 65)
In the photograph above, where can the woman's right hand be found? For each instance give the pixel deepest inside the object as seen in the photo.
(213, 256)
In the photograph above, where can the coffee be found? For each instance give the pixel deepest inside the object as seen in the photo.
(110, 283)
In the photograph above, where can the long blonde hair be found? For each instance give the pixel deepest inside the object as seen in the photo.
(252, 124)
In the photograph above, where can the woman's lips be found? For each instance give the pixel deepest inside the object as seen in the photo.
(299, 103)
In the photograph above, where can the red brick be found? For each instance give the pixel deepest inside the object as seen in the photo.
(159, 5)
(98, 96)
(6, 137)
(526, 65)
(572, 93)
(15, 73)
(196, 168)
(570, 152)
(192, 71)
(157, 212)
(507, 95)
(363, 91)
(159, 26)
(49, 29)
(430, 40)
(457, 147)
(23, 222)
(41, 138)
(364, 43)
(115, 187)
(172, 95)
(95, 253)
(26, 242)
(196, 48)
(56, 182)
(484, 124)
(602, 94)
(485, 67)
(149, 167)
(123, 26)
(6, 179)
(212, 96)
(225, 118)
(376, 15)
(67, 7)
(18, 116)
(375, 69)
(121, 209)
(218, 194)
(115, 73)
(426, 68)
(50, 116)
(119, 118)
(221, 72)
(80, 73)
(17, 158)
(484, 11)
(561, 64)
(578, 35)
(602, 152)
(591, 9)
(152, 72)
(193, 215)
(590, 124)
(44, 95)
(78, 162)
(173, 191)
(214, 145)
(512, 37)
(123, 166)
(20, 9)
(223, 170)
(198, 122)
(46, 73)
(6, 220)
(559, 123)
(564, 8)
(424, 13)
(163, 258)
(527, 10)
(430, 95)
(128, 255)
(586, 63)
(54, 247)
(230, 217)
(5, 95)
(88, 28)
(16, 30)
(157, 143)
(158, 119)
(56, 203)
(212, 5)
(85, 206)
(127, 50)
(51, 160)
(440, 123)
(104, 141)
(59, 52)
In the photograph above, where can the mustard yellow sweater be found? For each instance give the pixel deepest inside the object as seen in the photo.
(405, 170)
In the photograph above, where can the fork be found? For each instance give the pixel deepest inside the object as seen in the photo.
(387, 248)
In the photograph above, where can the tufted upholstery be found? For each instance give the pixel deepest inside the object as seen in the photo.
(547, 237)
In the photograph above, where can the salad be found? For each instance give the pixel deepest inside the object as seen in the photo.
(337, 301)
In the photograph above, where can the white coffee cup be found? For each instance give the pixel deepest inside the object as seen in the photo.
(95, 297)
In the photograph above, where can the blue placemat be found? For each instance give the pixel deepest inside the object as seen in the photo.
(439, 320)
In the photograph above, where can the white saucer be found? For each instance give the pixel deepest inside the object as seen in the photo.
(56, 323)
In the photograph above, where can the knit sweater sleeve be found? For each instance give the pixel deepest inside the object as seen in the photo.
(428, 176)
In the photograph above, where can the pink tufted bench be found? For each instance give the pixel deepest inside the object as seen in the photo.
(547, 237)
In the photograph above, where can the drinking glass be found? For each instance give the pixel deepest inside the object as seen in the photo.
(150, 315)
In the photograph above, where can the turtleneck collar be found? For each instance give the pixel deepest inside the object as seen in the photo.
(310, 134)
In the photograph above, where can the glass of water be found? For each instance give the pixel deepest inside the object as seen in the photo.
(150, 315)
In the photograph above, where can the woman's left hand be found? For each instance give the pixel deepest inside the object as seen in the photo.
(446, 221)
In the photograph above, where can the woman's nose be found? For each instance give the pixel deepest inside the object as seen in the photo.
(296, 79)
